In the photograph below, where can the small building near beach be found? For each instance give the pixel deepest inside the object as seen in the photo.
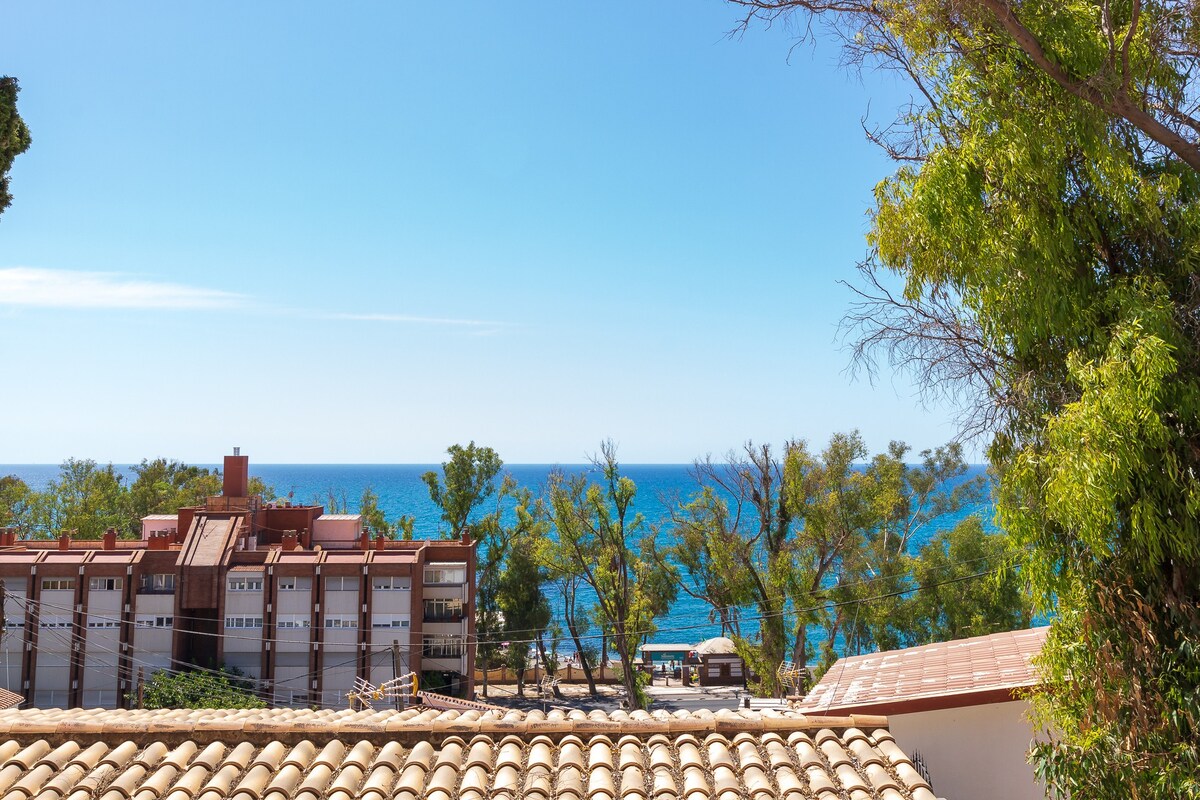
(655, 655)
(720, 664)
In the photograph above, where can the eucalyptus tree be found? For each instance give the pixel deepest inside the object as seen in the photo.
(1045, 223)
(782, 537)
(599, 539)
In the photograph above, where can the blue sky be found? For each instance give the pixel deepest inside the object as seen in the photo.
(362, 233)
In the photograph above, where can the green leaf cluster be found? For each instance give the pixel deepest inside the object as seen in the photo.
(197, 689)
(1063, 224)
(601, 543)
(14, 135)
(809, 542)
(88, 498)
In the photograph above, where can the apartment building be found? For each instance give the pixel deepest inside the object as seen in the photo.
(301, 602)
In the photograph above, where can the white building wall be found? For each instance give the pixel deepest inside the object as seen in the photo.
(975, 752)
(152, 645)
(12, 642)
(102, 646)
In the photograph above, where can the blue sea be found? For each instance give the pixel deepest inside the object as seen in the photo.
(401, 491)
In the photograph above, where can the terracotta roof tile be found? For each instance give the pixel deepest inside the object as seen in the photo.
(424, 754)
(942, 675)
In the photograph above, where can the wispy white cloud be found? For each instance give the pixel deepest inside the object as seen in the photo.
(33, 287)
(61, 288)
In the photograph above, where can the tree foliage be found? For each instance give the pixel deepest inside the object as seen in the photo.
(88, 498)
(15, 496)
(807, 541)
(468, 480)
(163, 486)
(14, 135)
(950, 603)
(599, 541)
(520, 592)
(1045, 225)
(198, 689)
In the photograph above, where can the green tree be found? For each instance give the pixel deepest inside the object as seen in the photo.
(15, 498)
(1045, 226)
(599, 541)
(561, 565)
(14, 135)
(951, 604)
(257, 487)
(197, 689)
(772, 533)
(373, 516)
(163, 486)
(520, 594)
(468, 480)
(85, 498)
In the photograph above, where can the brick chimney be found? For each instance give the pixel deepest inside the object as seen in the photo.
(110, 539)
(364, 539)
(290, 540)
(159, 540)
(236, 481)
(64, 540)
(380, 542)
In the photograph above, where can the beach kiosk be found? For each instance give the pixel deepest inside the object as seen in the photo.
(720, 665)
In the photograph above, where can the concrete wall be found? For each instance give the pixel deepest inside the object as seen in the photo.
(976, 752)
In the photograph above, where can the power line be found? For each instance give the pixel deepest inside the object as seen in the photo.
(266, 694)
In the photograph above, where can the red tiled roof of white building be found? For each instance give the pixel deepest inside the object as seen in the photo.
(982, 669)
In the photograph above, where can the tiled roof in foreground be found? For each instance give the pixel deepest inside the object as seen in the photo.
(982, 669)
(283, 754)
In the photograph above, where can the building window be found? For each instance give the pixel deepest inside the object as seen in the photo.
(341, 622)
(342, 583)
(245, 583)
(54, 622)
(157, 583)
(444, 609)
(388, 621)
(58, 584)
(293, 621)
(442, 647)
(155, 621)
(293, 583)
(441, 574)
(102, 622)
(14, 622)
(243, 622)
(105, 584)
(391, 583)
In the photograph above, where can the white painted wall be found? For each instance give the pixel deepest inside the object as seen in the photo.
(336, 529)
(973, 753)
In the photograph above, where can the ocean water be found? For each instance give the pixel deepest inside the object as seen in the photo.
(401, 491)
